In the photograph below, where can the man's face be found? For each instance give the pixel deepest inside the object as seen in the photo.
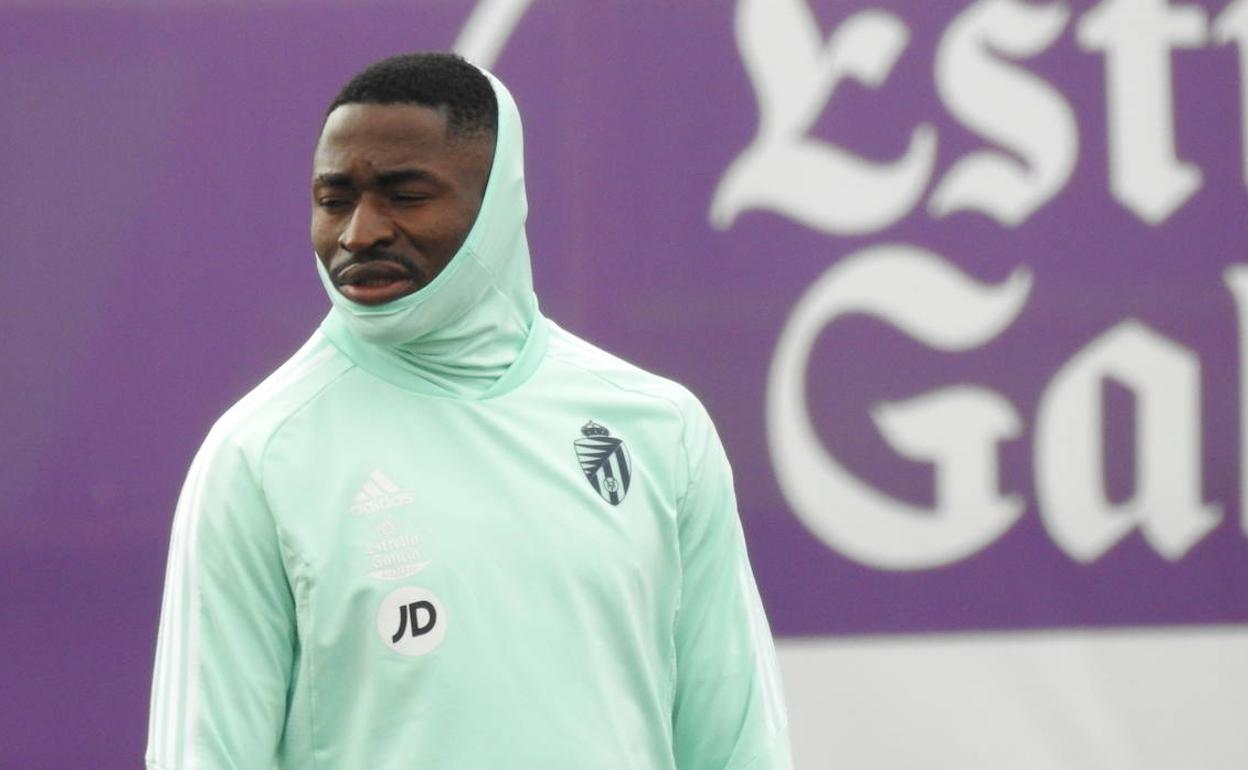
(392, 197)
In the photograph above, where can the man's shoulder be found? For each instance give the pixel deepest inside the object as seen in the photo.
(572, 351)
(303, 376)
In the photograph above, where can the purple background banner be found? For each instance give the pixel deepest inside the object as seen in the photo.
(156, 213)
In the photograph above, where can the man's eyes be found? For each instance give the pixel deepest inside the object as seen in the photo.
(398, 197)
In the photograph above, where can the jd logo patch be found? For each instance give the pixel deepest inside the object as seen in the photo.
(605, 461)
(411, 621)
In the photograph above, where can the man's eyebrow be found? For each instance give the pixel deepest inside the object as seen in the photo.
(403, 175)
(332, 180)
(384, 179)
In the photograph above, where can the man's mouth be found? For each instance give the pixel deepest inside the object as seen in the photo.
(375, 282)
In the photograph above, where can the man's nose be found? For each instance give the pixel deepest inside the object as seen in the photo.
(367, 227)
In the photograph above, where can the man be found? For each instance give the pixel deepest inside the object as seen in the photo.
(447, 533)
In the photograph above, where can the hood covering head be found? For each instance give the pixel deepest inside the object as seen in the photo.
(465, 333)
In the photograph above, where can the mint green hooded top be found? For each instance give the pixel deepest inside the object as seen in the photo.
(448, 534)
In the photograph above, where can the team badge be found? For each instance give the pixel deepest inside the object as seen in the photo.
(605, 461)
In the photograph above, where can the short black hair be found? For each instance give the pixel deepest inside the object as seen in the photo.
(430, 79)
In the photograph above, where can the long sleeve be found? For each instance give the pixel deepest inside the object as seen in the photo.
(729, 712)
(227, 627)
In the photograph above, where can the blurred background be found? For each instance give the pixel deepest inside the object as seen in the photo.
(962, 283)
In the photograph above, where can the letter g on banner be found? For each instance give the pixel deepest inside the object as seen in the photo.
(956, 428)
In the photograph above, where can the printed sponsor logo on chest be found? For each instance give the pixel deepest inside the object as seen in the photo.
(393, 552)
(379, 493)
(411, 621)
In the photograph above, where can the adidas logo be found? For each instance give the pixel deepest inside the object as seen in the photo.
(379, 493)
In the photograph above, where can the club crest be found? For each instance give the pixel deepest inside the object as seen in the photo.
(605, 461)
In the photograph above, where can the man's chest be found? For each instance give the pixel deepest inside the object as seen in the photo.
(474, 512)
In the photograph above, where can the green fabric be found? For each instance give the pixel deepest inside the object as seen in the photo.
(388, 556)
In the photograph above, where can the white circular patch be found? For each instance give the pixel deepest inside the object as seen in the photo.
(411, 621)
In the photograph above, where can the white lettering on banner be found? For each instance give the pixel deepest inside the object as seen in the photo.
(832, 190)
(1008, 105)
(1166, 505)
(1136, 37)
(818, 184)
(1232, 27)
(957, 429)
(1236, 277)
(1034, 139)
